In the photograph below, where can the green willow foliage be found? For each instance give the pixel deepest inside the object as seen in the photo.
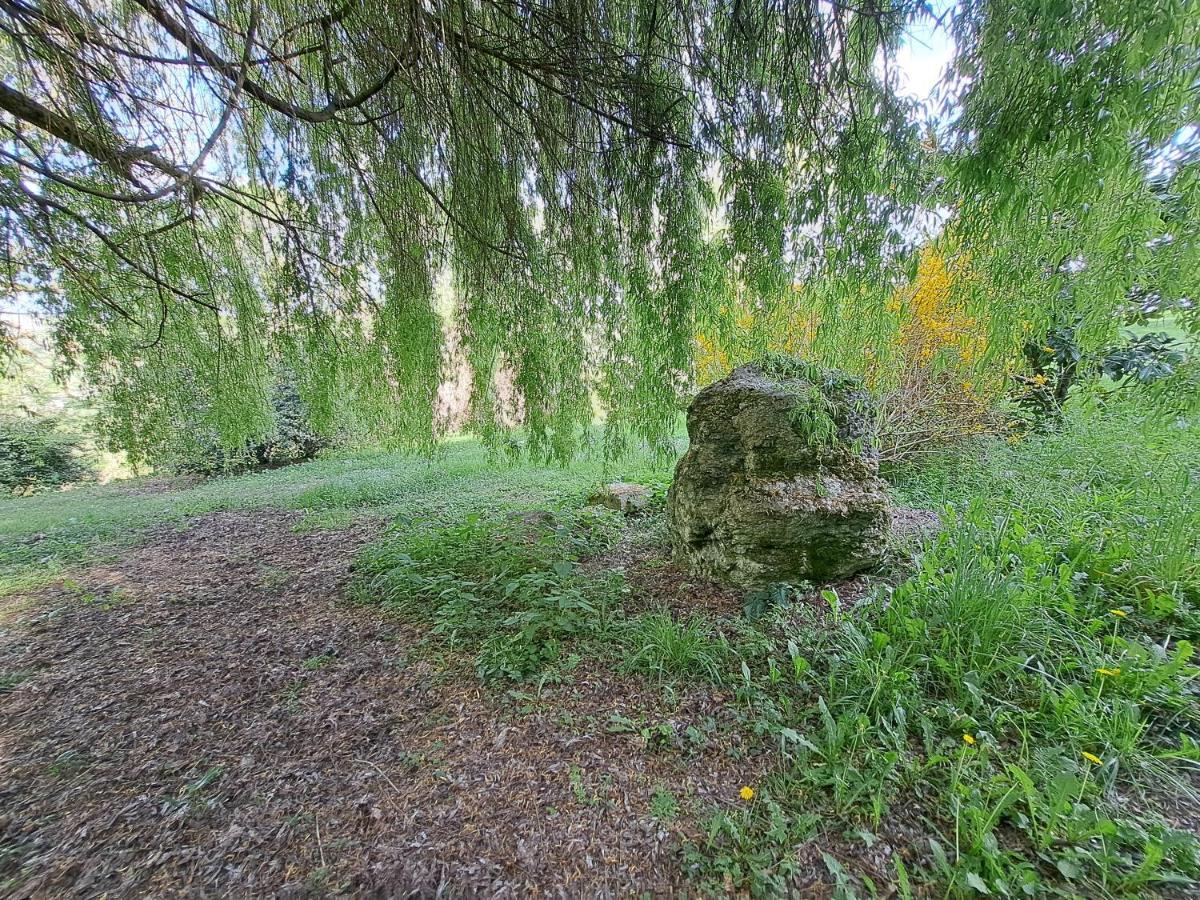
(208, 191)
(1070, 203)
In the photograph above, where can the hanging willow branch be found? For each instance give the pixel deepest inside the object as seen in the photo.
(210, 190)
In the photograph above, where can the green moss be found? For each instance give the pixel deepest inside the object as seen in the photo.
(785, 367)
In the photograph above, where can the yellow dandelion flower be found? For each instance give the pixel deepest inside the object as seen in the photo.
(746, 793)
(1093, 758)
(1040, 380)
(1111, 673)
(969, 740)
(1119, 613)
(1048, 349)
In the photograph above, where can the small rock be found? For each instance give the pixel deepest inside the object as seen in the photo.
(622, 496)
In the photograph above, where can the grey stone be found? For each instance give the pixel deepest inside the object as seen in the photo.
(779, 483)
(622, 496)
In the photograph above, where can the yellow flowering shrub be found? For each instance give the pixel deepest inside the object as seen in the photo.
(934, 321)
(934, 392)
(781, 328)
(929, 382)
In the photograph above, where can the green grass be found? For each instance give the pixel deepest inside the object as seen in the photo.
(666, 648)
(1115, 492)
(43, 536)
(507, 589)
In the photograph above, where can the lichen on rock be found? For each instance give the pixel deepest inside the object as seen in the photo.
(780, 482)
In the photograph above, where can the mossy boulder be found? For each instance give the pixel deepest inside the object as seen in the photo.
(780, 482)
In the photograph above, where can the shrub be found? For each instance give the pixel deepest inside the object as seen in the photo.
(931, 396)
(35, 455)
(292, 440)
(1143, 360)
(1156, 364)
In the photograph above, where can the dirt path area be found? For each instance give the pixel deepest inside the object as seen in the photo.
(209, 716)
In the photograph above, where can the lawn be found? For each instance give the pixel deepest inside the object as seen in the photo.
(527, 694)
(44, 535)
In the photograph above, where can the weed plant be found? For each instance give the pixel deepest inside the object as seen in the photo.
(506, 588)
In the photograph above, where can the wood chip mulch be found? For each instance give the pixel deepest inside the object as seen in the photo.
(208, 716)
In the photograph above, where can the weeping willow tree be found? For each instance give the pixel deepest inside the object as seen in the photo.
(207, 191)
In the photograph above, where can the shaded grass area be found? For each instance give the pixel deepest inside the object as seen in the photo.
(44, 535)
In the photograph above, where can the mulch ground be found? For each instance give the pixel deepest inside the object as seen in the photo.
(209, 716)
